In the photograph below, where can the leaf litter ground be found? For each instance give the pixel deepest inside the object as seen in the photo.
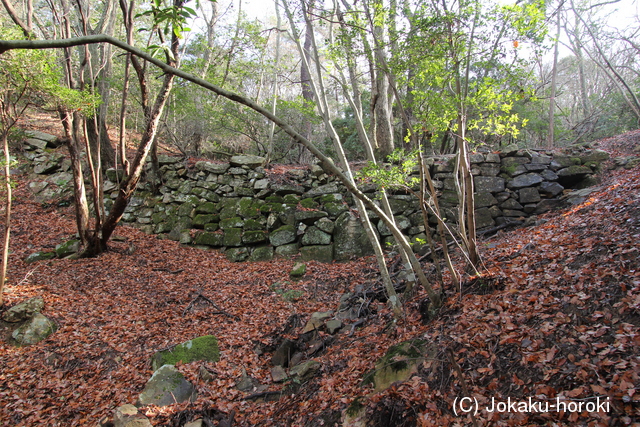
(554, 315)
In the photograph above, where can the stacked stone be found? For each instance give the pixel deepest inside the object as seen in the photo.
(236, 206)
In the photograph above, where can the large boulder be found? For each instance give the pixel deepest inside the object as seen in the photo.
(201, 348)
(166, 387)
(24, 310)
(350, 238)
(34, 330)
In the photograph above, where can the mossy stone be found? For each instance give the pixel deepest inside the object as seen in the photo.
(288, 250)
(262, 253)
(330, 198)
(335, 209)
(200, 220)
(399, 363)
(209, 239)
(212, 226)
(255, 224)
(207, 208)
(234, 222)
(274, 199)
(283, 235)
(203, 348)
(309, 203)
(237, 254)
(67, 248)
(322, 253)
(232, 237)
(39, 256)
(249, 208)
(252, 237)
(291, 199)
(298, 270)
(166, 387)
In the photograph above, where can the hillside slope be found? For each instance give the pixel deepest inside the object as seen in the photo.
(556, 314)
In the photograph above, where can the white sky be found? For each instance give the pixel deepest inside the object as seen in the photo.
(624, 13)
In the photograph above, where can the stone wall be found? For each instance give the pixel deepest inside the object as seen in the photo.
(256, 214)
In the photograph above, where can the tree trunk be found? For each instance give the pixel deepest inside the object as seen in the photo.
(552, 97)
(7, 214)
(382, 106)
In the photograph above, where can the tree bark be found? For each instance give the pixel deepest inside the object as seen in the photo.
(554, 77)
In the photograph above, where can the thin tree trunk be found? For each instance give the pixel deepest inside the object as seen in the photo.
(274, 92)
(552, 97)
(7, 214)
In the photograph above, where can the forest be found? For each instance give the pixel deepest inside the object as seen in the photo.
(368, 93)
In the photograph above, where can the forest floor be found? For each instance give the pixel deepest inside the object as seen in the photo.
(554, 314)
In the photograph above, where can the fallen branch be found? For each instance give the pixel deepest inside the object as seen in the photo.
(200, 296)
(180, 270)
(356, 324)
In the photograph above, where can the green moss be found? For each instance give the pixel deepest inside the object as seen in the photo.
(355, 407)
(201, 348)
(291, 199)
(510, 169)
(274, 199)
(308, 203)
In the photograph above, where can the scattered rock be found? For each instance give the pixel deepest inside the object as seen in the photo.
(399, 363)
(166, 387)
(24, 310)
(37, 186)
(317, 321)
(278, 374)
(128, 416)
(333, 326)
(247, 384)
(67, 248)
(39, 256)
(34, 330)
(205, 374)
(298, 270)
(306, 370)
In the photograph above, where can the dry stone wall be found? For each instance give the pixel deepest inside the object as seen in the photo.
(255, 214)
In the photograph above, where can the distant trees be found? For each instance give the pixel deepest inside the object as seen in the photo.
(594, 93)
